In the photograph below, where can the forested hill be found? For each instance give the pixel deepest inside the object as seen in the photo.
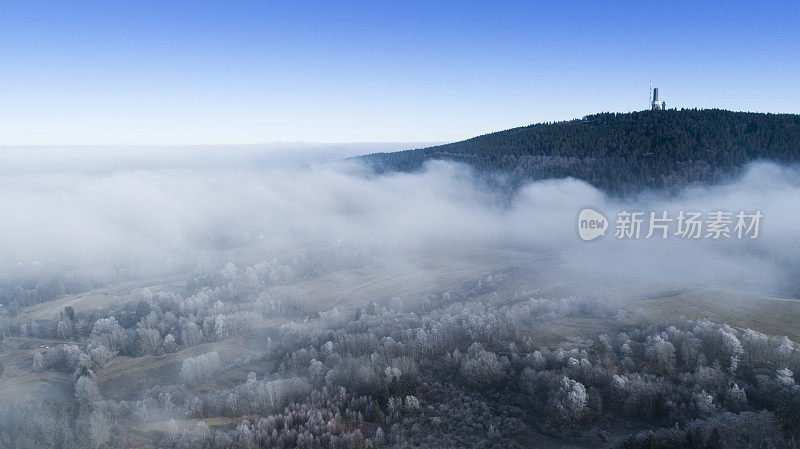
(622, 153)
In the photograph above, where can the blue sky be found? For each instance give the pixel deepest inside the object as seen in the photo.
(224, 72)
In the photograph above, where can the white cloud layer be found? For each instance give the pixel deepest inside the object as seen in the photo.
(90, 210)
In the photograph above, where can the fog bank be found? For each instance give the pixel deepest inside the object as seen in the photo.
(105, 213)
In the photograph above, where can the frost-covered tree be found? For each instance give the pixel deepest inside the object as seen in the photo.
(64, 329)
(108, 332)
(784, 377)
(169, 343)
(570, 400)
(191, 334)
(100, 426)
(86, 390)
(38, 362)
(99, 354)
(200, 368)
(483, 368)
(147, 341)
(660, 354)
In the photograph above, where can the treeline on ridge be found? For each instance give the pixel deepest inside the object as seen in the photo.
(621, 153)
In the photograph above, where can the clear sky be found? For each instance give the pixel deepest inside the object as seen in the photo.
(223, 72)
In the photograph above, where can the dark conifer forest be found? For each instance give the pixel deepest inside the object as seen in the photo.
(622, 153)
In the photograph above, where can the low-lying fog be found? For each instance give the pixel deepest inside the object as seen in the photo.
(128, 213)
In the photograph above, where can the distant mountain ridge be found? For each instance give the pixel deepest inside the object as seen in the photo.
(621, 152)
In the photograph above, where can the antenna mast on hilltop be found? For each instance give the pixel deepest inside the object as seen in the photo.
(650, 97)
(655, 104)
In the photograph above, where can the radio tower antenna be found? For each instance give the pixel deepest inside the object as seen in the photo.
(650, 99)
